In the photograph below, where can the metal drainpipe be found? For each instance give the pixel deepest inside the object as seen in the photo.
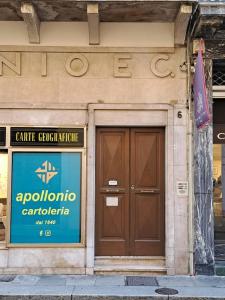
(190, 34)
(190, 160)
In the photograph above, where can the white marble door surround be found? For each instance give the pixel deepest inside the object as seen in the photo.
(176, 207)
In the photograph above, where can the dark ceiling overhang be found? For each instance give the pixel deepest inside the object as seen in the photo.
(210, 20)
(109, 11)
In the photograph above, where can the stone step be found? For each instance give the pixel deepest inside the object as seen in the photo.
(129, 269)
(158, 261)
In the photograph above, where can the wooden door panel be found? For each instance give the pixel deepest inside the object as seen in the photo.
(113, 148)
(147, 192)
(145, 159)
(147, 217)
(112, 167)
(113, 222)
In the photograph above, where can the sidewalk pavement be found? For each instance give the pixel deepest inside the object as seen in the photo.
(77, 287)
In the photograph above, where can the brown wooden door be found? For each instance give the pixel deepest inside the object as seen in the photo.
(130, 191)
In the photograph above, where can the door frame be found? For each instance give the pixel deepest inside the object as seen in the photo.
(138, 115)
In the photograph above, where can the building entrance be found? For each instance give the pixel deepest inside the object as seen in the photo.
(130, 208)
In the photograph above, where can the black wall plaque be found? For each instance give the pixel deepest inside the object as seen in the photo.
(47, 137)
(218, 121)
(218, 111)
(219, 134)
(2, 136)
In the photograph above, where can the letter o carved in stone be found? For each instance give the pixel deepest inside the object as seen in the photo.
(81, 71)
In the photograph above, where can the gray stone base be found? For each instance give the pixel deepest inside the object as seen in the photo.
(204, 270)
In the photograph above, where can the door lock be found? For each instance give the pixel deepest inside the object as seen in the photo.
(132, 187)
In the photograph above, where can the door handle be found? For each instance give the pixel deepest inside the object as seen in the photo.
(149, 191)
(112, 190)
(132, 187)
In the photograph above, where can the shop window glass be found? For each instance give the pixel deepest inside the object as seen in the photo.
(45, 197)
(219, 199)
(3, 192)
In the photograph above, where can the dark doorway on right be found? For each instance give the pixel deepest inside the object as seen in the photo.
(219, 183)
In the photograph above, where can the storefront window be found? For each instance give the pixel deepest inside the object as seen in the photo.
(219, 198)
(3, 192)
(219, 177)
(45, 198)
(217, 181)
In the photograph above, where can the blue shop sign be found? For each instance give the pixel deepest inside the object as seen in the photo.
(46, 198)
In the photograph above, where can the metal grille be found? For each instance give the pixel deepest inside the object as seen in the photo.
(218, 72)
(140, 280)
(219, 78)
(166, 291)
(7, 278)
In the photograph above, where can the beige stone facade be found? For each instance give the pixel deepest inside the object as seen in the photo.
(133, 78)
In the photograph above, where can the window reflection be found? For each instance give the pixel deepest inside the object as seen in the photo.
(217, 183)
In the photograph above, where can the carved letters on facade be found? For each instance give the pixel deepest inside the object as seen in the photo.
(16, 67)
(82, 67)
(77, 65)
(155, 69)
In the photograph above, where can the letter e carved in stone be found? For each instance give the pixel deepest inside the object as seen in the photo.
(121, 67)
(155, 69)
(15, 67)
(81, 67)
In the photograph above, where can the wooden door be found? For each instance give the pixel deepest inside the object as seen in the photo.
(130, 191)
(147, 192)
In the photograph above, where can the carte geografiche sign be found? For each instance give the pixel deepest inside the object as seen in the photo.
(46, 198)
(46, 137)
